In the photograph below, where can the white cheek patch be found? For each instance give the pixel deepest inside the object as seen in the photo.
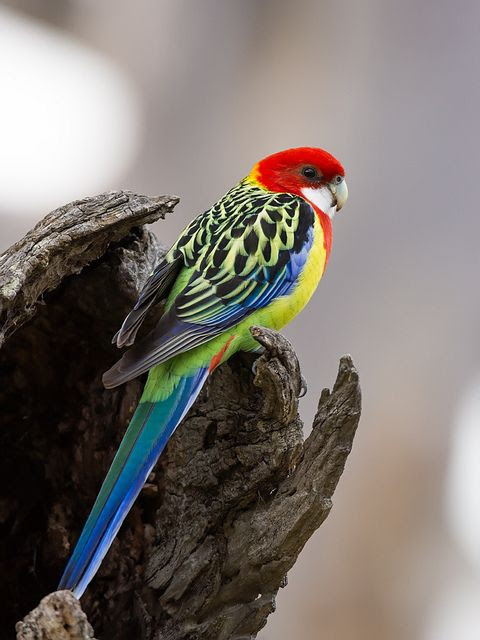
(321, 198)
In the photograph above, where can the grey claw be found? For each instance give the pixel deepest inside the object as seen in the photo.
(303, 387)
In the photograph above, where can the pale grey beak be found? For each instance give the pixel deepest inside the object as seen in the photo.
(339, 192)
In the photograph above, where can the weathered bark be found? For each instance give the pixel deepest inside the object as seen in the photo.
(233, 498)
(57, 617)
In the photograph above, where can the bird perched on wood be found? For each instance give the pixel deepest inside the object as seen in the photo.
(254, 258)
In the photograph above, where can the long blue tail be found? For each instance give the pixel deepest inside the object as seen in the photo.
(151, 426)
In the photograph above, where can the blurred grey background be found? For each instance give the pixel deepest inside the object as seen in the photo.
(182, 96)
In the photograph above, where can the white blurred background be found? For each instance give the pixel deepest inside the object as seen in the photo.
(182, 97)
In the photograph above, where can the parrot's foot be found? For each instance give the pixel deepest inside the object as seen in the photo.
(277, 372)
(303, 383)
(303, 387)
(254, 366)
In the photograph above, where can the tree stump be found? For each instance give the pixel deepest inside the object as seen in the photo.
(235, 495)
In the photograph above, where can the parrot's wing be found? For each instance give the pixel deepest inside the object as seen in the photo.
(252, 258)
(156, 288)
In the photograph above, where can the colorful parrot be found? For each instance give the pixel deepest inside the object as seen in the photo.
(254, 258)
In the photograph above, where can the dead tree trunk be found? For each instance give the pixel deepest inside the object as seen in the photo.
(234, 497)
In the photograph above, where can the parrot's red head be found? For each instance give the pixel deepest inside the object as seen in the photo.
(307, 172)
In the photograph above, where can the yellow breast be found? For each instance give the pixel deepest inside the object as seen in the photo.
(284, 309)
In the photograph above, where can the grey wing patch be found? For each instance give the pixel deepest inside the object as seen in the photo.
(154, 349)
(156, 287)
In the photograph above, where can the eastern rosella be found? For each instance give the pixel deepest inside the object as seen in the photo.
(254, 258)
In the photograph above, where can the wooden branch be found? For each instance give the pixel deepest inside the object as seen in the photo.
(234, 497)
(63, 243)
(57, 617)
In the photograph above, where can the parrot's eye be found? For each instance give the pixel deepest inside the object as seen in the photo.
(338, 179)
(310, 172)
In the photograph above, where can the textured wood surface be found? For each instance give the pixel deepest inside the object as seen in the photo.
(234, 497)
